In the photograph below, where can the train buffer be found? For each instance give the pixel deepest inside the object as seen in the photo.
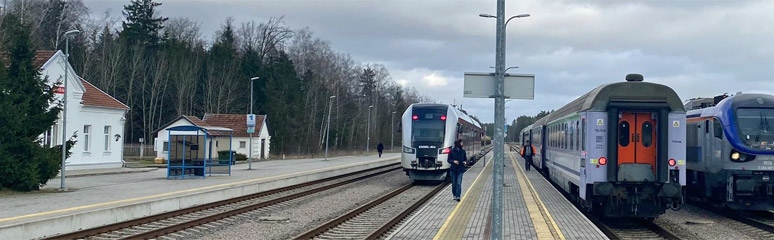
(532, 209)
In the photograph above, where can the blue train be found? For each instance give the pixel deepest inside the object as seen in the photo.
(731, 151)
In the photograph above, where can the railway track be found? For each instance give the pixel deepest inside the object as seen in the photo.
(756, 223)
(376, 218)
(215, 214)
(633, 229)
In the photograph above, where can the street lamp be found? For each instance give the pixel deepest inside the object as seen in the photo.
(499, 133)
(250, 149)
(64, 108)
(392, 131)
(328, 130)
(368, 129)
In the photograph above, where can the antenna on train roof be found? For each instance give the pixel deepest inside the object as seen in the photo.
(634, 77)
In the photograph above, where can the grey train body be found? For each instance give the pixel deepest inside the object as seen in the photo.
(719, 134)
(428, 132)
(578, 148)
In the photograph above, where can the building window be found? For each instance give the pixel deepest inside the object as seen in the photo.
(55, 135)
(165, 147)
(107, 138)
(86, 139)
(242, 144)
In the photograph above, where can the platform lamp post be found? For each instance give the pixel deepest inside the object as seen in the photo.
(328, 129)
(64, 108)
(368, 130)
(392, 131)
(499, 138)
(250, 149)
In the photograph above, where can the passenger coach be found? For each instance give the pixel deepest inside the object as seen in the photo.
(428, 134)
(731, 152)
(619, 150)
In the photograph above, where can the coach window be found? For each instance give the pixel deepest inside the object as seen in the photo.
(583, 138)
(565, 137)
(572, 138)
(706, 126)
(718, 128)
(577, 135)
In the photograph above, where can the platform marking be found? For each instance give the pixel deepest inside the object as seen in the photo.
(442, 231)
(537, 210)
(186, 191)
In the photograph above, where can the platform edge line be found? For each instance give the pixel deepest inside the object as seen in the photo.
(537, 196)
(464, 197)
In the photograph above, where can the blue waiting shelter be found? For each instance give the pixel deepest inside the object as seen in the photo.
(191, 148)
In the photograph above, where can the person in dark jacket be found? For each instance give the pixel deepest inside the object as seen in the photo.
(457, 158)
(527, 151)
(380, 149)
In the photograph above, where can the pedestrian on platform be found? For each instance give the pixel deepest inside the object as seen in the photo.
(457, 158)
(527, 151)
(380, 149)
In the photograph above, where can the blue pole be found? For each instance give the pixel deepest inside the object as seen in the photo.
(230, 141)
(206, 156)
(184, 148)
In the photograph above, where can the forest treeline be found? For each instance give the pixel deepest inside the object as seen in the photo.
(163, 68)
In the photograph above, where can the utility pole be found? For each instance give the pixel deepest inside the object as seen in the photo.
(64, 109)
(499, 147)
(392, 131)
(250, 149)
(368, 129)
(328, 130)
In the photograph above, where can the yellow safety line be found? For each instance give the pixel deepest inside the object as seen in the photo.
(180, 192)
(539, 228)
(464, 197)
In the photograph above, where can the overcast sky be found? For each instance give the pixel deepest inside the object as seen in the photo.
(700, 48)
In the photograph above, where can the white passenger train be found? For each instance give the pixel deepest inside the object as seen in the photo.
(429, 131)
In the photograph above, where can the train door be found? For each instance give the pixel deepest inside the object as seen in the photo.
(637, 139)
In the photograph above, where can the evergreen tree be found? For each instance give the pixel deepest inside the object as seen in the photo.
(141, 25)
(27, 110)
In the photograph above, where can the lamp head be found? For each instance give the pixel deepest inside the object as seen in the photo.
(484, 15)
(522, 15)
(254, 78)
(74, 31)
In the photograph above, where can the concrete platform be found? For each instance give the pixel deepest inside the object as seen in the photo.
(532, 209)
(97, 200)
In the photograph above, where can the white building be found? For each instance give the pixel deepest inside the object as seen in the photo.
(236, 122)
(94, 117)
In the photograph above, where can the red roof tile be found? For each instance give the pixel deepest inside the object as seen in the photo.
(236, 122)
(95, 97)
(196, 121)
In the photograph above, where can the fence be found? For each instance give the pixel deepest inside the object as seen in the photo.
(133, 149)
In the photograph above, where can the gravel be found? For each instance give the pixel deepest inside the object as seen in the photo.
(692, 222)
(295, 217)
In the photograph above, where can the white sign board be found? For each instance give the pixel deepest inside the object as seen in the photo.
(482, 85)
(250, 120)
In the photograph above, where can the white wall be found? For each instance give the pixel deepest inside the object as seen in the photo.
(78, 116)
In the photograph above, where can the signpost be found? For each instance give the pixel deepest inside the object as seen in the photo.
(250, 129)
(482, 85)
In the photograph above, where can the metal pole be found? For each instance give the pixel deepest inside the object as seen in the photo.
(64, 115)
(368, 130)
(392, 132)
(64, 109)
(328, 129)
(250, 149)
(499, 148)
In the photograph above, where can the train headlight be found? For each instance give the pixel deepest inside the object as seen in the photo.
(408, 150)
(735, 156)
(602, 161)
(672, 162)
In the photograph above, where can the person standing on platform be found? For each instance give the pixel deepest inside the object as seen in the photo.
(457, 158)
(527, 151)
(380, 149)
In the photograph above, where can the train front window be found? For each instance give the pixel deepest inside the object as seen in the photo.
(428, 128)
(755, 127)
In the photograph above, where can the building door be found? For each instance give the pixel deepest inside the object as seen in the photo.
(263, 148)
(637, 139)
